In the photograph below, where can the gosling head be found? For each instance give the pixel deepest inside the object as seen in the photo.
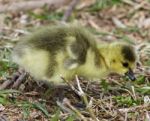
(122, 59)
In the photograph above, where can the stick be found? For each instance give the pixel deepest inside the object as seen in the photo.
(65, 109)
(68, 12)
(9, 81)
(67, 102)
(30, 5)
(83, 96)
(19, 80)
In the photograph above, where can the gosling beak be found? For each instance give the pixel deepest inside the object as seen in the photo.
(130, 74)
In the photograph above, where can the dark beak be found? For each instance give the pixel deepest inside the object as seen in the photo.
(130, 74)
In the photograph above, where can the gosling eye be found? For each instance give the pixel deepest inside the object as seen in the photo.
(125, 64)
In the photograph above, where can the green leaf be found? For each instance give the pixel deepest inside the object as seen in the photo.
(148, 63)
(144, 90)
(3, 100)
(127, 101)
(140, 79)
(70, 118)
(101, 4)
(26, 111)
(56, 116)
(4, 95)
(41, 107)
(8, 91)
(105, 85)
(47, 15)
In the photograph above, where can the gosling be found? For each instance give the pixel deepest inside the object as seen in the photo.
(70, 50)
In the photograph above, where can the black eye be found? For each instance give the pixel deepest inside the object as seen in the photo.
(125, 64)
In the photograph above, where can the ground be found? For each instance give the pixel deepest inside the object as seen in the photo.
(113, 98)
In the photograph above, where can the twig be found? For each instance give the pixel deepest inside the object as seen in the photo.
(106, 110)
(126, 116)
(69, 10)
(118, 23)
(19, 80)
(129, 2)
(100, 103)
(5, 37)
(5, 84)
(147, 116)
(128, 92)
(132, 109)
(9, 81)
(32, 4)
(67, 102)
(3, 118)
(72, 87)
(83, 96)
(136, 7)
(20, 31)
(133, 91)
(93, 24)
(64, 108)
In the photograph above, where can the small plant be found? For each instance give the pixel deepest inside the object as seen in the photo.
(101, 4)
(47, 14)
(126, 101)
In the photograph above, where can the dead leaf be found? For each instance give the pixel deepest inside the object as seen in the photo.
(2, 107)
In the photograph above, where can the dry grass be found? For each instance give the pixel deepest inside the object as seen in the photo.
(113, 98)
